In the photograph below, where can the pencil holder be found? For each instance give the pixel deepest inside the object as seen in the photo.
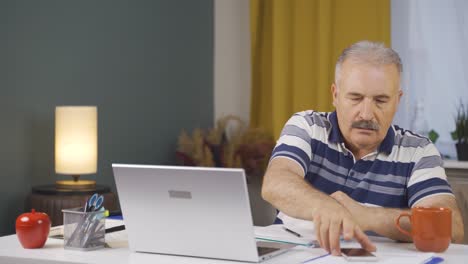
(83, 230)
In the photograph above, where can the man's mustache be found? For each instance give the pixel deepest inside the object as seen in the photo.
(365, 124)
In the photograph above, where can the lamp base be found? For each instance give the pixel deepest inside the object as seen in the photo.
(75, 185)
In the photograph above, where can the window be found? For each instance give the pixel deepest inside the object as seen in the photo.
(431, 37)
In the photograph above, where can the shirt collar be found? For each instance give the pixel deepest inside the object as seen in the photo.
(388, 142)
(335, 135)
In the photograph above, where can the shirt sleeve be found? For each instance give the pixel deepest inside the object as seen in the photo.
(295, 142)
(428, 176)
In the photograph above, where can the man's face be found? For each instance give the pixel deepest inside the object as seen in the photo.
(366, 99)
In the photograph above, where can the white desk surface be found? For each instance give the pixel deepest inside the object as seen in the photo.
(12, 252)
(455, 164)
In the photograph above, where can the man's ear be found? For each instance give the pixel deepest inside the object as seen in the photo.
(334, 91)
(400, 94)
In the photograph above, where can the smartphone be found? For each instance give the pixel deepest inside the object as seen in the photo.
(358, 254)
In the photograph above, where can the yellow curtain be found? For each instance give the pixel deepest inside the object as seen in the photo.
(295, 44)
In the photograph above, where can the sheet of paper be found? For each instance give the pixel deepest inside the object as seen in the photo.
(390, 258)
(386, 252)
(302, 226)
(279, 234)
(113, 222)
(56, 231)
(117, 239)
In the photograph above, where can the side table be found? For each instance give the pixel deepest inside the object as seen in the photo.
(48, 199)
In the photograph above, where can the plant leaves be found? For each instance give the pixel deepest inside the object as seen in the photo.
(433, 135)
(461, 124)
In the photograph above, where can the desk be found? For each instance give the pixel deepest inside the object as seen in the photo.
(457, 175)
(53, 252)
(456, 164)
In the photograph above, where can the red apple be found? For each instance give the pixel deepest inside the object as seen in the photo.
(32, 229)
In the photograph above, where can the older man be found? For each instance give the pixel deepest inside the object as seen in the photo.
(351, 170)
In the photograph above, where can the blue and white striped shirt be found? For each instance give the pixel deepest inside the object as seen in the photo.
(405, 168)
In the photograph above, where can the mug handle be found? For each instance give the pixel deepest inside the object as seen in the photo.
(397, 223)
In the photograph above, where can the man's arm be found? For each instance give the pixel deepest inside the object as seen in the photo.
(285, 188)
(382, 220)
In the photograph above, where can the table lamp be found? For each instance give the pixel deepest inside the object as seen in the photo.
(75, 145)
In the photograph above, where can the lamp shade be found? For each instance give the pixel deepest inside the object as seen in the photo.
(76, 139)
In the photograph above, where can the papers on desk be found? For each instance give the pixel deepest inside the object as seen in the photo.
(386, 251)
(390, 258)
(278, 233)
(303, 226)
(117, 239)
(56, 232)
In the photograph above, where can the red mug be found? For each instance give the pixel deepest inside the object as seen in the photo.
(431, 228)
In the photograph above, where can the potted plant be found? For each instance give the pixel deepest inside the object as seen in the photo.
(461, 132)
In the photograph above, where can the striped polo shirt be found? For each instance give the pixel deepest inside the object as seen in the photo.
(404, 169)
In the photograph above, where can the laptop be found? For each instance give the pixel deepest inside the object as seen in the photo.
(189, 211)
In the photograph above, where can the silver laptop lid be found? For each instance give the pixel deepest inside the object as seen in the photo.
(192, 211)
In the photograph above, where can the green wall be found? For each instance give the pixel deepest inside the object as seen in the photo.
(147, 65)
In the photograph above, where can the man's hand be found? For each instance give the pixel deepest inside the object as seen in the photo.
(331, 220)
(285, 188)
(359, 212)
(382, 220)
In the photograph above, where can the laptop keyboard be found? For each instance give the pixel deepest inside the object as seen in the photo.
(265, 250)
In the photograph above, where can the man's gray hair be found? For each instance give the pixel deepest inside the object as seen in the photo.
(367, 52)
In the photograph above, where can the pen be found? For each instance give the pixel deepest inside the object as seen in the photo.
(292, 232)
(115, 229)
(95, 224)
(85, 239)
(433, 260)
(312, 259)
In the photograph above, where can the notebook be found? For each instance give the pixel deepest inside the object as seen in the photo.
(189, 211)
